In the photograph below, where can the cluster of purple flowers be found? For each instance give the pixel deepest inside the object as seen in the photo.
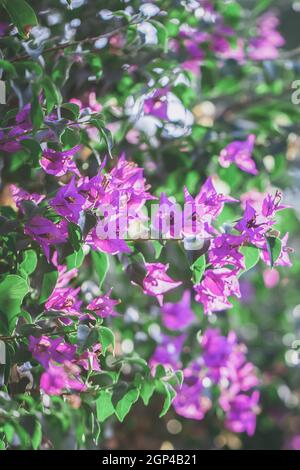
(63, 364)
(264, 44)
(222, 370)
(63, 361)
(223, 361)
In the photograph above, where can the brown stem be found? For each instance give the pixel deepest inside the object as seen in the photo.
(62, 46)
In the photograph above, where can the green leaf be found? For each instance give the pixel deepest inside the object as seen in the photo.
(33, 148)
(106, 338)
(274, 248)
(124, 405)
(261, 6)
(198, 268)
(75, 260)
(101, 265)
(8, 67)
(52, 94)
(104, 405)
(147, 390)
(28, 265)
(37, 436)
(75, 235)
(157, 247)
(70, 111)
(91, 339)
(12, 292)
(48, 284)
(36, 112)
(170, 395)
(162, 34)
(21, 14)
(107, 136)
(70, 137)
(251, 256)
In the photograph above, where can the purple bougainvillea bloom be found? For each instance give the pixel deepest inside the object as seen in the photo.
(126, 182)
(157, 282)
(165, 219)
(265, 45)
(215, 288)
(283, 258)
(59, 163)
(239, 152)
(64, 300)
(89, 359)
(68, 202)
(224, 250)
(104, 306)
(270, 205)
(60, 378)
(45, 349)
(216, 348)
(180, 315)
(46, 232)
(90, 102)
(11, 141)
(191, 400)
(92, 189)
(19, 195)
(168, 352)
(201, 211)
(250, 228)
(157, 103)
(241, 411)
(111, 246)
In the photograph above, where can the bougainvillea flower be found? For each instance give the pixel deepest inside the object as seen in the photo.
(284, 259)
(216, 348)
(248, 226)
(157, 103)
(265, 45)
(64, 300)
(168, 219)
(203, 209)
(180, 315)
(215, 288)
(19, 195)
(191, 401)
(157, 282)
(90, 102)
(59, 163)
(11, 141)
(111, 246)
(271, 278)
(126, 181)
(68, 202)
(103, 306)
(89, 359)
(242, 377)
(270, 205)
(45, 349)
(60, 378)
(240, 152)
(92, 189)
(224, 250)
(46, 232)
(241, 411)
(168, 352)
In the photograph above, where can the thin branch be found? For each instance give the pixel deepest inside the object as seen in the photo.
(62, 46)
